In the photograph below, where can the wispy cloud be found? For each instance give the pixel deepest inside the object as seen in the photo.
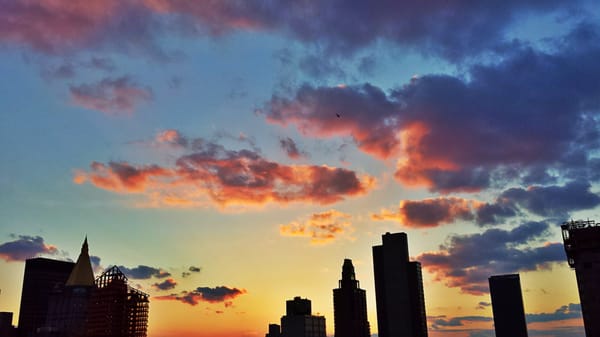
(113, 96)
(321, 228)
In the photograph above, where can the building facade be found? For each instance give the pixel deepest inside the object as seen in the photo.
(582, 245)
(42, 278)
(398, 289)
(299, 321)
(507, 306)
(350, 305)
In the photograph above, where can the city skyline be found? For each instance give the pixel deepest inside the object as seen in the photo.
(228, 155)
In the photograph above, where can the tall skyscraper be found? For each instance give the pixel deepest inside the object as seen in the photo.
(67, 307)
(350, 305)
(582, 245)
(299, 321)
(398, 289)
(41, 279)
(507, 306)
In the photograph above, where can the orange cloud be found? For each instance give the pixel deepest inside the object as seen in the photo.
(321, 228)
(227, 177)
(430, 212)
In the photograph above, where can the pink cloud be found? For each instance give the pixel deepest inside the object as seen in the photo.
(111, 96)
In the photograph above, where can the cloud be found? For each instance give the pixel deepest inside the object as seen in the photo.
(482, 305)
(171, 137)
(467, 261)
(211, 172)
(554, 201)
(143, 272)
(167, 284)
(439, 323)
(429, 212)
(95, 261)
(25, 247)
(112, 96)
(496, 122)
(321, 228)
(204, 294)
(194, 269)
(569, 311)
(291, 149)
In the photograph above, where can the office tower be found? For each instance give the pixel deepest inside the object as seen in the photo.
(582, 245)
(67, 307)
(42, 277)
(350, 305)
(115, 308)
(507, 306)
(274, 331)
(398, 289)
(299, 321)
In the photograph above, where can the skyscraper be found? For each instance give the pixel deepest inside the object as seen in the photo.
(398, 289)
(42, 277)
(507, 306)
(67, 307)
(582, 245)
(350, 305)
(299, 321)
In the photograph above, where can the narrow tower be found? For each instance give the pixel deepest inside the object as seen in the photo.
(350, 305)
(507, 306)
(398, 289)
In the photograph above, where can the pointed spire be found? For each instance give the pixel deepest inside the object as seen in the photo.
(348, 277)
(82, 274)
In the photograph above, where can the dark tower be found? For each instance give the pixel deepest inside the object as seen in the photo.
(42, 278)
(582, 245)
(507, 306)
(350, 305)
(299, 321)
(398, 289)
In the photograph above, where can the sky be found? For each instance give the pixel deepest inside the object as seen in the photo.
(228, 155)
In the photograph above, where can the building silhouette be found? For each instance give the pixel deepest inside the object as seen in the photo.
(62, 299)
(398, 289)
(42, 278)
(350, 305)
(582, 245)
(6, 327)
(507, 306)
(299, 321)
(67, 307)
(274, 331)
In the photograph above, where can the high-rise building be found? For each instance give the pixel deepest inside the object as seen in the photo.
(41, 279)
(299, 321)
(582, 245)
(507, 306)
(67, 307)
(350, 305)
(115, 308)
(398, 289)
(6, 327)
(274, 331)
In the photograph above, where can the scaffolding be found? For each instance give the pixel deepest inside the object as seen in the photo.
(116, 309)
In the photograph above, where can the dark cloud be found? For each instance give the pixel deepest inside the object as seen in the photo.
(194, 269)
(569, 311)
(532, 109)
(467, 261)
(483, 305)
(204, 294)
(457, 321)
(95, 261)
(142, 272)
(25, 247)
(494, 213)
(554, 201)
(429, 212)
(167, 284)
(111, 95)
(291, 149)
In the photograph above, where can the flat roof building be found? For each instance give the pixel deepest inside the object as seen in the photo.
(507, 306)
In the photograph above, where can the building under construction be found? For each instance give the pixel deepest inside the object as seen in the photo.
(116, 309)
(79, 306)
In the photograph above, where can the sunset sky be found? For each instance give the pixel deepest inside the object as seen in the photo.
(229, 155)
